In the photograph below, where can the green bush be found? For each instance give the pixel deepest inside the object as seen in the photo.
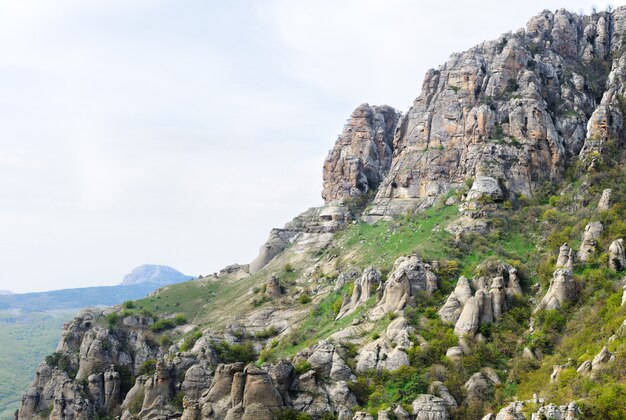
(266, 333)
(304, 298)
(148, 367)
(231, 353)
(302, 366)
(112, 319)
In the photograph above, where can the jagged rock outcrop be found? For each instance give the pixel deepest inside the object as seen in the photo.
(591, 235)
(617, 257)
(515, 110)
(364, 288)
(53, 391)
(480, 301)
(409, 277)
(361, 157)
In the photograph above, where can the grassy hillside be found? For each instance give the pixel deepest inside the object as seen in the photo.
(25, 339)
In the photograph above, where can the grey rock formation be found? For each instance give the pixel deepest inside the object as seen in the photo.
(617, 257)
(327, 362)
(389, 352)
(605, 200)
(565, 258)
(480, 301)
(362, 155)
(562, 290)
(489, 112)
(592, 233)
(480, 385)
(364, 288)
(517, 409)
(409, 277)
(429, 407)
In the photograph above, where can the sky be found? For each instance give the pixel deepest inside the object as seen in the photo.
(180, 132)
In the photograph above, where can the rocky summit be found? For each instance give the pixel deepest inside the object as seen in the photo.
(468, 263)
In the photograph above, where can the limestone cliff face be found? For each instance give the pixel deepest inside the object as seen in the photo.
(362, 155)
(517, 109)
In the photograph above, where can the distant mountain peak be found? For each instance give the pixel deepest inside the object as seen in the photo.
(156, 274)
(6, 292)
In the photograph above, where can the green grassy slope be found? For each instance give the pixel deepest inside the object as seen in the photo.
(24, 341)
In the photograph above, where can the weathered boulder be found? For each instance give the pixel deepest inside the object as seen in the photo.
(328, 363)
(603, 358)
(439, 389)
(409, 277)
(480, 385)
(451, 310)
(617, 257)
(362, 154)
(197, 379)
(429, 407)
(111, 389)
(591, 235)
(562, 290)
(482, 300)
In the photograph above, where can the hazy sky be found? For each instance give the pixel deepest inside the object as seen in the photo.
(180, 132)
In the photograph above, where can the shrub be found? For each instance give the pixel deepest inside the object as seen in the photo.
(302, 366)
(266, 333)
(231, 353)
(337, 306)
(165, 341)
(148, 367)
(129, 304)
(168, 323)
(304, 298)
(112, 319)
(190, 340)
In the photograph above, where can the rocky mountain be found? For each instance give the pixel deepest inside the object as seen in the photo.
(135, 285)
(155, 274)
(468, 263)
